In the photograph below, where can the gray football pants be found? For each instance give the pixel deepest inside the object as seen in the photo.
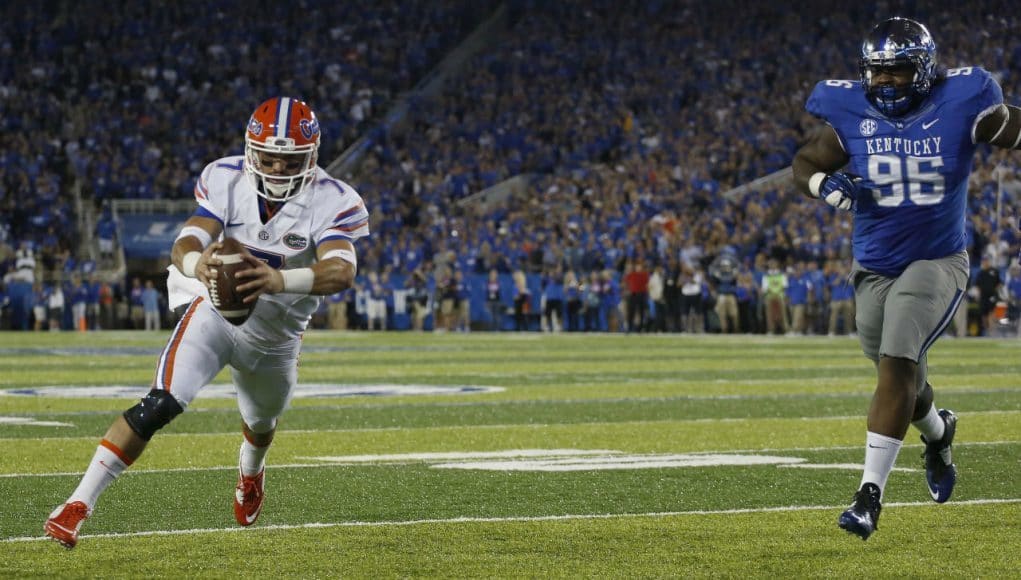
(902, 317)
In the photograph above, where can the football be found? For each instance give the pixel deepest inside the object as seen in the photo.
(223, 286)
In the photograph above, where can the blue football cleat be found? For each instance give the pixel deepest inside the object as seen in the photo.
(862, 518)
(940, 472)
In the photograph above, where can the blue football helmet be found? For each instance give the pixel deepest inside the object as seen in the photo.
(898, 42)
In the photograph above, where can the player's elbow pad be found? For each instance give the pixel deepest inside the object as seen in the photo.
(1008, 135)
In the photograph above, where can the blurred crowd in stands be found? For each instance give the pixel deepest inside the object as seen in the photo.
(626, 122)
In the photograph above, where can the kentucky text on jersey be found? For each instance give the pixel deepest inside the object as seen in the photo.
(917, 147)
(912, 200)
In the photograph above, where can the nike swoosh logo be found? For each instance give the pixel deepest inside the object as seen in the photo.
(234, 225)
(876, 446)
(67, 530)
(251, 518)
(925, 126)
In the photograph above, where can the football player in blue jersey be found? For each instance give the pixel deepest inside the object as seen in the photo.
(896, 150)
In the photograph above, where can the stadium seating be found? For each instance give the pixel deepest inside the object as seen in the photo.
(627, 121)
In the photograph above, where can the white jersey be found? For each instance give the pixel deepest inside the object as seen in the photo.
(328, 209)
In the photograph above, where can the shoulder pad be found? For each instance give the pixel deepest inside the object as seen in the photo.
(972, 86)
(831, 95)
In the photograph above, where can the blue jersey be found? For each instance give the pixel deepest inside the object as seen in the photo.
(797, 290)
(913, 199)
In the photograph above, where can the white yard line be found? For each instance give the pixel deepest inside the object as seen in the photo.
(462, 520)
(29, 421)
(531, 426)
(409, 459)
(961, 389)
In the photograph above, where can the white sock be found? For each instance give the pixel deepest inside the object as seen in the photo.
(106, 465)
(931, 425)
(880, 455)
(253, 459)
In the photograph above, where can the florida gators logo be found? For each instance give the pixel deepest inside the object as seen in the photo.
(255, 127)
(309, 128)
(295, 242)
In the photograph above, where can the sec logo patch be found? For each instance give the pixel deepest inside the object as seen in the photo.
(868, 127)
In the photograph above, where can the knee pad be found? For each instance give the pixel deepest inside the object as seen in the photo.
(152, 413)
(260, 428)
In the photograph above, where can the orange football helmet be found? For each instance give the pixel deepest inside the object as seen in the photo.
(281, 148)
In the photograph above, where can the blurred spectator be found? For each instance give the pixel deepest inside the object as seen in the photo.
(592, 299)
(106, 233)
(799, 288)
(988, 283)
(817, 312)
(419, 299)
(657, 300)
(573, 295)
(375, 302)
(774, 290)
(107, 311)
(447, 289)
(55, 307)
(841, 294)
(552, 300)
(79, 304)
(636, 278)
(5, 310)
(136, 305)
(748, 303)
(723, 273)
(40, 305)
(337, 306)
(522, 301)
(462, 308)
(24, 266)
(611, 303)
(691, 280)
(1013, 286)
(494, 301)
(672, 295)
(151, 306)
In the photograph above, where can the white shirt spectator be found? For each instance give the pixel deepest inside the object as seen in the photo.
(24, 267)
(656, 286)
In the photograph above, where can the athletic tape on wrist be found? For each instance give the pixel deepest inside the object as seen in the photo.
(298, 280)
(188, 263)
(815, 182)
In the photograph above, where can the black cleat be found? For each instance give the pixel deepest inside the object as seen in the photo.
(862, 518)
(940, 472)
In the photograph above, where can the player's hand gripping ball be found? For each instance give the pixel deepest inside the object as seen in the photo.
(223, 286)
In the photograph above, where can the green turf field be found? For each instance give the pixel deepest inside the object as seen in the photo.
(565, 456)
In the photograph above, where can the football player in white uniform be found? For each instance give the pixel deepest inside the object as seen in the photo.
(298, 225)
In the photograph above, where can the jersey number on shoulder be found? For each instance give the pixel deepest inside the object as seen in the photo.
(963, 71)
(840, 83)
(911, 178)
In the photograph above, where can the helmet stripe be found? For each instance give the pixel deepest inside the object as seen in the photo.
(283, 116)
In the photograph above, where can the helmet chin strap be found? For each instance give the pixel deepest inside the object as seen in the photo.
(277, 190)
(892, 101)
